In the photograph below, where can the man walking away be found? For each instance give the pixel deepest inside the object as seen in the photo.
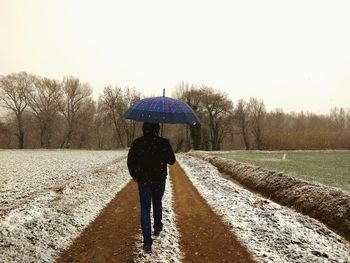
(147, 162)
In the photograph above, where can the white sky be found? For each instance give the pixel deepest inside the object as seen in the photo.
(293, 54)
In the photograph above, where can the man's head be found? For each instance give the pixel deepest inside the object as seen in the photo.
(150, 128)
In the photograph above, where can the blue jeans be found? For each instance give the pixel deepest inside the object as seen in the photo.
(151, 192)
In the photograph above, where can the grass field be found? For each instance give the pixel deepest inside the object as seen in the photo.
(327, 167)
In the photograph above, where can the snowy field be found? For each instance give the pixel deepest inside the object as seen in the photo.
(271, 232)
(48, 197)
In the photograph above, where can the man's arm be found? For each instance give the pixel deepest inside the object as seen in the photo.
(132, 162)
(169, 153)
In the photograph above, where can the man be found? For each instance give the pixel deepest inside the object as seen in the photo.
(147, 162)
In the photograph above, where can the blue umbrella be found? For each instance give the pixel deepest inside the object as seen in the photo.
(162, 110)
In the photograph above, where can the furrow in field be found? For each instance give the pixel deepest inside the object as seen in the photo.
(271, 232)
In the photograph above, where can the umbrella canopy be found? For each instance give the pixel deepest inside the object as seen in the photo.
(162, 110)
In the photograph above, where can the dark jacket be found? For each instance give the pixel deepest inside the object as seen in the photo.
(148, 158)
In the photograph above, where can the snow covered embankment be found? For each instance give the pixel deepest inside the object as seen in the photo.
(43, 226)
(327, 204)
(166, 246)
(271, 232)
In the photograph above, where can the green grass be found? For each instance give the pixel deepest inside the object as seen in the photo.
(326, 167)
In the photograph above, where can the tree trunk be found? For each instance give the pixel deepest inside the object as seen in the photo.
(48, 136)
(258, 142)
(43, 135)
(215, 145)
(63, 142)
(205, 141)
(196, 136)
(245, 139)
(21, 139)
(179, 144)
(42, 143)
(118, 134)
(215, 140)
(129, 131)
(69, 139)
(20, 131)
(187, 139)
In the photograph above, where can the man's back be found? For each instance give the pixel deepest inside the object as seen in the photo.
(148, 158)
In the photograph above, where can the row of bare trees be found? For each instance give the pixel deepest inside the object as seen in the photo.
(46, 113)
(307, 130)
(222, 120)
(248, 125)
(44, 103)
(40, 112)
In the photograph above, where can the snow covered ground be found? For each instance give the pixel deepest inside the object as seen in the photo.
(48, 197)
(166, 246)
(271, 232)
(26, 175)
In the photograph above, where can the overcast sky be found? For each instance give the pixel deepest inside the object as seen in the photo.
(295, 55)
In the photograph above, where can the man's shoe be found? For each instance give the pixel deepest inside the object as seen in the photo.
(147, 248)
(156, 232)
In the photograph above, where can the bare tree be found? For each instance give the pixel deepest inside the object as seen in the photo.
(42, 100)
(74, 93)
(181, 89)
(218, 108)
(111, 103)
(192, 96)
(338, 118)
(13, 89)
(103, 128)
(258, 113)
(242, 115)
(130, 96)
(85, 135)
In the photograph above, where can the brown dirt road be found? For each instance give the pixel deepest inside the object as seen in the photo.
(112, 236)
(204, 236)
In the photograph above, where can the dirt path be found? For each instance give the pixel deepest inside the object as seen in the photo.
(112, 236)
(204, 237)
